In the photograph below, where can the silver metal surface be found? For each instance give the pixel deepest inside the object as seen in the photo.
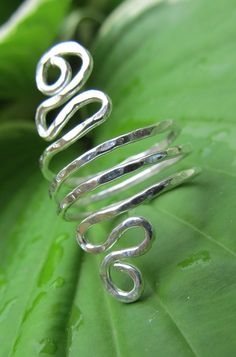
(64, 92)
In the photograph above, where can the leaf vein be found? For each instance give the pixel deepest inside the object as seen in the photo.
(165, 309)
(198, 231)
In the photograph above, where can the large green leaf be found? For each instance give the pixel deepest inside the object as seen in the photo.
(39, 260)
(177, 59)
(169, 59)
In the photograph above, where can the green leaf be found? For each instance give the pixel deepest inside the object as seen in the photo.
(177, 59)
(39, 257)
(23, 39)
(163, 59)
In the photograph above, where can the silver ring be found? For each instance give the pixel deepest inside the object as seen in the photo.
(80, 190)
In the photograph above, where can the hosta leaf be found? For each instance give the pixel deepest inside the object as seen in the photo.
(23, 38)
(37, 253)
(177, 59)
(169, 59)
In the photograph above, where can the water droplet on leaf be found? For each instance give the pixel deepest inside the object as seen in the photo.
(202, 257)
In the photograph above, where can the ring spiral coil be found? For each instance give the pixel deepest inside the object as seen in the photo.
(65, 93)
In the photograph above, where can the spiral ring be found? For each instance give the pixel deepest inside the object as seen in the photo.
(64, 92)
